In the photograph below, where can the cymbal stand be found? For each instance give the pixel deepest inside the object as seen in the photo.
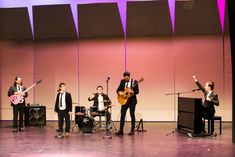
(74, 126)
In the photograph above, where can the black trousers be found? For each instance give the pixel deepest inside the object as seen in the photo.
(209, 114)
(131, 105)
(108, 117)
(64, 115)
(19, 108)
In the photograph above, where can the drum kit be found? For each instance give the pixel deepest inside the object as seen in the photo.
(84, 118)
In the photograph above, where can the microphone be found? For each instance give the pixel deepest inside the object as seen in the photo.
(108, 78)
(196, 89)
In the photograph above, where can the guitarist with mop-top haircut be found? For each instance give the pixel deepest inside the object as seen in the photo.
(127, 91)
(17, 90)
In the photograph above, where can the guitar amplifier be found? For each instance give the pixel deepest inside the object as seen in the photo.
(35, 116)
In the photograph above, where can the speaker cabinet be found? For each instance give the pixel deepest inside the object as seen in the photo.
(35, 116)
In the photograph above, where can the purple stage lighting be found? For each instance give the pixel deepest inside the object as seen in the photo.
(171, 4)
(221, 6)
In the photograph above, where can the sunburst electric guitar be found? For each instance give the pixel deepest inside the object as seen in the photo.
(19, 98)
(122, 99)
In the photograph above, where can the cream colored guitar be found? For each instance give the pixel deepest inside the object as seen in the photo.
(122, 99)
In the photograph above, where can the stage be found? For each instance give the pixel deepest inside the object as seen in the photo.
(159, 140)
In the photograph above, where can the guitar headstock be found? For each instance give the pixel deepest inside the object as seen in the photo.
(141, 80)
(39, 81)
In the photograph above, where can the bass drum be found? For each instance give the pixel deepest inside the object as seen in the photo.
(86, 124)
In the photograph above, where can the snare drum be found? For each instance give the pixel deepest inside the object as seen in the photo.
(94, 111)
(86, 124)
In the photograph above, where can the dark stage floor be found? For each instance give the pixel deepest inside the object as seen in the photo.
(35, 142)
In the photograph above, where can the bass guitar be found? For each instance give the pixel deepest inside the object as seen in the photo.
(19, 98)
(122, 99)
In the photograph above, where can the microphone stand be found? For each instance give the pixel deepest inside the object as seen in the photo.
(107, 136)
(178, 95)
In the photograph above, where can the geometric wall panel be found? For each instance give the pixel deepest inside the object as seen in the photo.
(53, 21)
(15, 23)
(148, 18)
(197, 17)
(99, 20)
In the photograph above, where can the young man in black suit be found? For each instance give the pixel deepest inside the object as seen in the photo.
(63, 106)
(210, 99)
(133, 89)
(17, 91)
(101, 102)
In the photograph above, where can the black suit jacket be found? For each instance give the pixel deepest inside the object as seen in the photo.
(13, 89)
(68, 101)
(122, 87)
(213, 96)
(95, 99)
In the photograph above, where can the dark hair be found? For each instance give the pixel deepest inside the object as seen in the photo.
(60, 85)
(126, 73)
(211, 84)
(16, 78)
(99, 87)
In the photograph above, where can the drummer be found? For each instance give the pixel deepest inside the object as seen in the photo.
(102, 103)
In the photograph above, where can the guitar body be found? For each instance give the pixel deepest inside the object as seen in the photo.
(122, 99)
(16, 99)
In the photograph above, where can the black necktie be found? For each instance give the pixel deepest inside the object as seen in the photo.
(61, 99)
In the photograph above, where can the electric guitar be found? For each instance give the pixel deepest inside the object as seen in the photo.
(122, 99)
(19, 98)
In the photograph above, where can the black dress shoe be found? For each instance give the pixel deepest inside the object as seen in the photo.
(21, 129)
(119, 133)
(203, 131)
(60, 135)
(15, 130)
(131, 133)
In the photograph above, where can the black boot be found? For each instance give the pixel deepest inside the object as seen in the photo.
(119, 132)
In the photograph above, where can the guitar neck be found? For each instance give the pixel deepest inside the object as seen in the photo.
(137, 83)
(29, 88)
